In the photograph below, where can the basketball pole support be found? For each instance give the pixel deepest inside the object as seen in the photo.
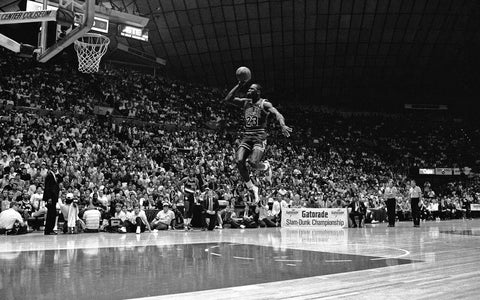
(10, 44)
(72, 36)
(19, 18)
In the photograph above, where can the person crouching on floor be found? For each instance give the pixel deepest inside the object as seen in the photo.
(117, 221)
(70, 211)
(11, 222)
(137, 220)
(163, 219)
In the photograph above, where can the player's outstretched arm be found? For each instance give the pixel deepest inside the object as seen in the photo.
(281, 120)
(230, 95)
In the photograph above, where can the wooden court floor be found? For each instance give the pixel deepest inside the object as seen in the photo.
(439, 260)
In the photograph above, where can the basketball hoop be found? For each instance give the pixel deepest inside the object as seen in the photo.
(90, 49)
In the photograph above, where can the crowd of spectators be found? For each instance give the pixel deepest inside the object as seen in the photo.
(122, 166)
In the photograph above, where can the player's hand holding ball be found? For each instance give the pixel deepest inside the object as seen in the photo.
(243, 75)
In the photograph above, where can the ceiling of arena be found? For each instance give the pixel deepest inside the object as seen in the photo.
(324, 48)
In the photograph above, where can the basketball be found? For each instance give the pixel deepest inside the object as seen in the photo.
(243, 74)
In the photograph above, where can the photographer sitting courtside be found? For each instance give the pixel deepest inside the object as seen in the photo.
(11, 221)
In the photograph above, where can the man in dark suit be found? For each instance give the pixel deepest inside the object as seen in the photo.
(357, 209)
(50, 196)
(210, 206)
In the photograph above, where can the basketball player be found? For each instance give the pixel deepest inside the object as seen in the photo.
(254, 141)
(190, 186)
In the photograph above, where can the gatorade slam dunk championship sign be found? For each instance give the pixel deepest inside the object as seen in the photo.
(334, 218)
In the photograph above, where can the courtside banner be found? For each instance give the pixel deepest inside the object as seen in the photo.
(475, 207)
(335, 218)
(28, 16)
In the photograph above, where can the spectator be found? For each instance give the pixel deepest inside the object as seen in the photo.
(11, 221)
(92, 217)
(229, 217)
(164, 219)
(137, 220)
(356, 209)
(210, 209)
(117, 221)
(248, 220)
(264, 220)
(70, 211)
(178, 222)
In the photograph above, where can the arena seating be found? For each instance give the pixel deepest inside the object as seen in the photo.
(161, 128)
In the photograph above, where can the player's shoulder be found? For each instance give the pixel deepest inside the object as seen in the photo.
(266, 104)
(266, 101)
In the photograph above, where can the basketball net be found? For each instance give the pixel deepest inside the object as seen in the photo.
(90, 49)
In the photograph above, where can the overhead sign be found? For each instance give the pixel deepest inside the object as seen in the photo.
(133, 32)
(99, 24)
(331, 218)
(27, 16)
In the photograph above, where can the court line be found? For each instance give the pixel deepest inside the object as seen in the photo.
(291, 265)
(245, 258)
(406, 253)
(216, 254)
(289, 260)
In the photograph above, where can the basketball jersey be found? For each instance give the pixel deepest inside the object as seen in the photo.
(190, 185)
(255, 117)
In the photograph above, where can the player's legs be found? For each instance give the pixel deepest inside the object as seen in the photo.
(189, 209)
(255, 160)
(240, 159)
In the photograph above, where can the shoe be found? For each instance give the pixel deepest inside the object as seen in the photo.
(269, 170)
(242, 226)
(50, 233)
(139, 230)
(254, 190)
(155, 230)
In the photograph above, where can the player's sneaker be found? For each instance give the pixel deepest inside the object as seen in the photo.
(269, 171)
(254, 190)
(139, 230)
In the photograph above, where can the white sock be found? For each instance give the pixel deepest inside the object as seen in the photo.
(249, 184)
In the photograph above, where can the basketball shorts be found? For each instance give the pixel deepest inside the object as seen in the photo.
(254, 142)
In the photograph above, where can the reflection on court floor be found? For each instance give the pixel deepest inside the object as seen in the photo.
(126, 272)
